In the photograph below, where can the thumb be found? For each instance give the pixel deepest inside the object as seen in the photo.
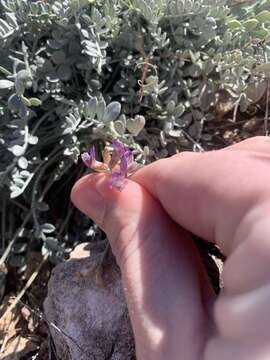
(161, 271)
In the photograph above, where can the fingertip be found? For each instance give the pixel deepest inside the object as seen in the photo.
(76, 190)
(86, 197)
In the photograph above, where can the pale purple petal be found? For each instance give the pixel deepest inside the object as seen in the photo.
(117, 181)
(129, 156)
(89, 157)
(118, 147)
(118, 152)
(92, 152)
(123, 165)
(126, 159)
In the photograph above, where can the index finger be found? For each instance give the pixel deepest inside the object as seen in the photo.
(210, 193)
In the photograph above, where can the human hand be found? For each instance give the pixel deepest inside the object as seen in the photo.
(222, 196)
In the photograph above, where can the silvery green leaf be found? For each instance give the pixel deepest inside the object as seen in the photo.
(119, 127)
(23, 163)
(11, 18)
(112, 111)
(25, 174)
(5, 27)
(168, 125)
(85, 33)
(91, 108)
(24, 75)
(5, 71)
(251, 24)
(175, 133)
(73, 153)
(72, 122)
(136, 125)
(6, 84)
(261, 34)
(14, 103)
(15, 192)
(146, 151)
(170, 106)
(100, 110)
(85, 124)
(35, 101)
(32, 140)
(17, 150)
(47, 228)
(123, 119)
(244, 103)
(91, 48)
(163, 140)
(20, 87)
(25, 101)
(19, 182)
(95, 84)
(263, 16)
(179, 110)
(234, 25)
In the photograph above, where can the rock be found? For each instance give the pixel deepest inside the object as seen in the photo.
(91, 315)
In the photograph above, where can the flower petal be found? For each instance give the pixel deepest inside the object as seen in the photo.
(89, 157)
(118, 147)
(129, 156)
(92, 152)
(90, 161)
(125, 161)
(117, 181)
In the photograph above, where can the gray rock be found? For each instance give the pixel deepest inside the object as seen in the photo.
(88, 311)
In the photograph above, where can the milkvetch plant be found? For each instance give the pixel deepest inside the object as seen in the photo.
(152, 75)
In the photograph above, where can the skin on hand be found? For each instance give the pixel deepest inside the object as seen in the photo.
(222, 196)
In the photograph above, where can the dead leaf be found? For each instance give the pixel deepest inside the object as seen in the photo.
(18, 347)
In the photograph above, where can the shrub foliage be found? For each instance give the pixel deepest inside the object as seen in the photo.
(74, 73)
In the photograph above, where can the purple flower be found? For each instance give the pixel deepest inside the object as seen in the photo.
(126, 159)
(117, 153)
(118, 148)
(89, 157)
(119, 163)
(117, 181)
